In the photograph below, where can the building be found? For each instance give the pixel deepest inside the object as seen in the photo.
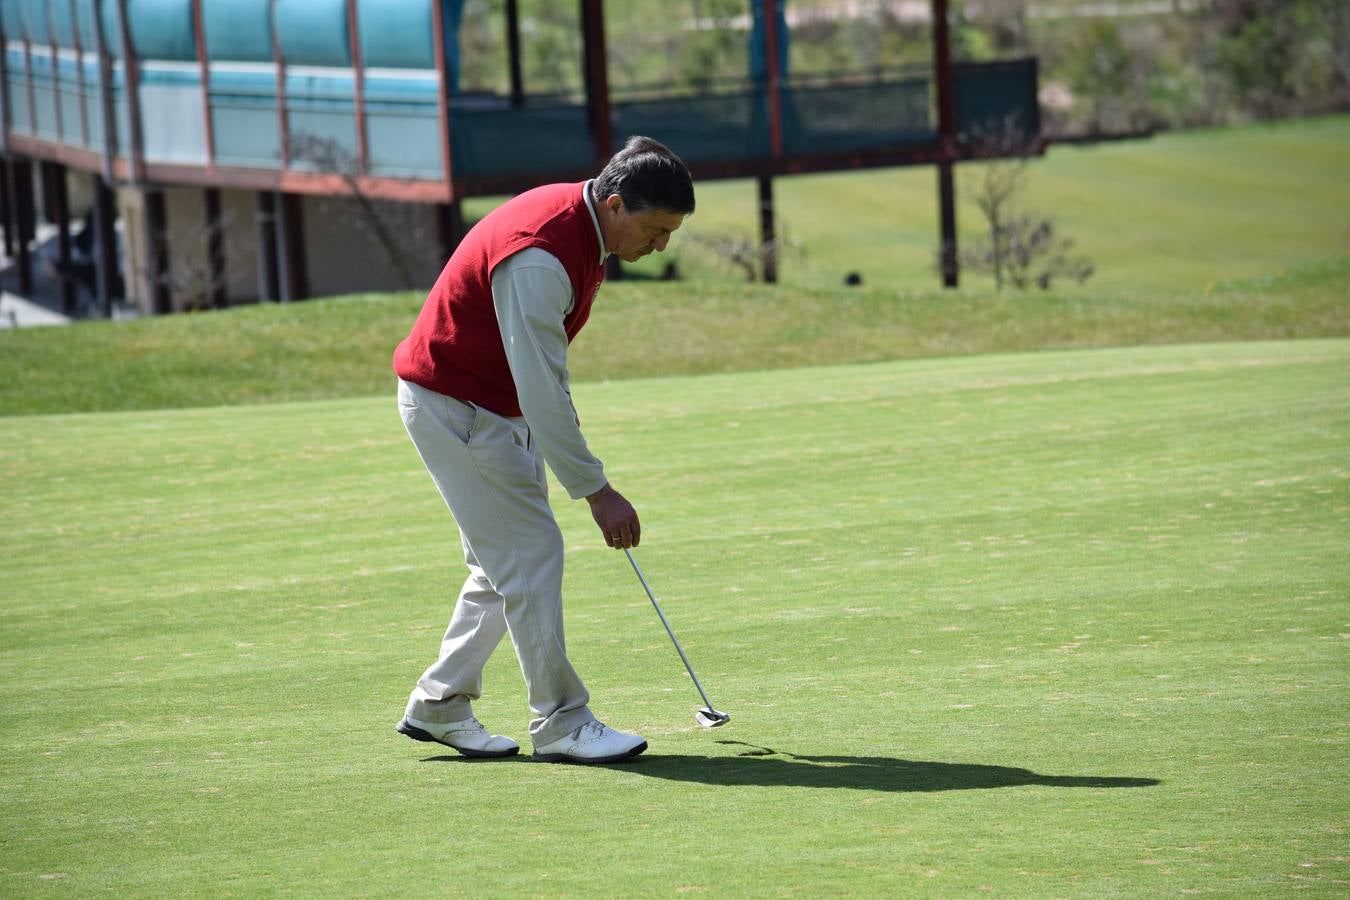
(256, 149)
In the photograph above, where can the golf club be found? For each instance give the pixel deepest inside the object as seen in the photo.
(707, 716)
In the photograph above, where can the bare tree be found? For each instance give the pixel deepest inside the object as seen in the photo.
(743, 254)
(1029, 252)
(328, 156)
(1018, 247)
(998, 185)
(192, 278)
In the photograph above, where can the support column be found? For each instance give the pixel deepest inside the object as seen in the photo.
(265, 221)
(113, 140)
(131, 79)
(56, 209)
(21, 174)
(768, 240)
(58, 102)
(283, 121)
(215, 248)
(291, 264)
(358, 89)
(80, 81)
(597, 78)
(449, 227)
(157, 245)
(204, 76)
(951, 270)
(6, 207)
(445, 78)
(105, 245)
(513, 53)
(774, 77)
(942, 63)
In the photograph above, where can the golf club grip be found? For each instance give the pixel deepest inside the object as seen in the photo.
(674, 640)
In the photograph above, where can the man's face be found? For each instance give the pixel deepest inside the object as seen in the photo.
(632, 235)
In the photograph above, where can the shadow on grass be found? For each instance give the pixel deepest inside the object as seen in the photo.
(768, 768)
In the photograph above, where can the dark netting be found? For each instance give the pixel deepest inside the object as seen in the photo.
(817, 119)
(997, 99)
(731, 125)
(496, 140)
(710, 128)
(848, 118)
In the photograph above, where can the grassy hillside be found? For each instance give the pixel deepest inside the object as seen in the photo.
(342, 347)
(1198, 237)
(1182, 212)
(1048, 625)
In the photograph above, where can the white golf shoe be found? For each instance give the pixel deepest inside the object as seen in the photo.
(468, 736)
(592, 743)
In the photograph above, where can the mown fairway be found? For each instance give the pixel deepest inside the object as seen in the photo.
(1047, 624)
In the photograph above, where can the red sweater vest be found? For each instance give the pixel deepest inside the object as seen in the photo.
(455, 347)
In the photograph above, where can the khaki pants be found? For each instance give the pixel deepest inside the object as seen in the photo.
(491, 475)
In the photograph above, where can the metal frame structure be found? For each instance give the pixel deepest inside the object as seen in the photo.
(122, 158)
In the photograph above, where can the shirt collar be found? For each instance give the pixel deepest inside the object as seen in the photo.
(595, 220)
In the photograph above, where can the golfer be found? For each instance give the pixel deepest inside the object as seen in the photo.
(484, 394)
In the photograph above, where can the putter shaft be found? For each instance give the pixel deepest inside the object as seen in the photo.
(674, 640)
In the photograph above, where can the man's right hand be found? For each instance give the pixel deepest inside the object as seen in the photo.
(616, 517)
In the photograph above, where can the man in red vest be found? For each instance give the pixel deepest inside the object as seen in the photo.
(484, 394)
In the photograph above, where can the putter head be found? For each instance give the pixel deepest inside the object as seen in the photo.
(710, 718)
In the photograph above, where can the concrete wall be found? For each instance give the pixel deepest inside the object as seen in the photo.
(343, 253)
(189, 234)
(346, 257)
(238, 213)
(135, 259)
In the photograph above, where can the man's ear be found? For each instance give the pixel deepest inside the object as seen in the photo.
(614, 202)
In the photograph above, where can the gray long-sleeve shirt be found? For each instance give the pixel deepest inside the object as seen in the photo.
(532, 295)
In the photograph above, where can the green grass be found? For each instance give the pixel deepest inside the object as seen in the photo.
(1059, 624)
(1235, 234)
(250, 354)
(1176, 214)
(342, 347)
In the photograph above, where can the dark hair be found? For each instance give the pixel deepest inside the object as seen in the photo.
(646, 175)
